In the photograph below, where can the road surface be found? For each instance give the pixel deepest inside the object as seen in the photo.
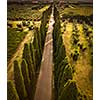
(44, 84)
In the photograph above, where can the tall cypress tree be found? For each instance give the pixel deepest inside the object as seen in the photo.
(19, 81)
(24, 68)
(70, 91)
(11, 91)
(28, 58)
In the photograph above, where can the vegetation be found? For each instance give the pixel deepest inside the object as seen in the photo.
(24, 12)
(14, 38)
(26, 72)
(19, 82)
(24, 69)
(69, 91)
(64, 72)
(72, 49)
(77, 29)
(11, 91)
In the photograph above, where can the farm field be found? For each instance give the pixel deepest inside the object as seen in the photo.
(62, 34)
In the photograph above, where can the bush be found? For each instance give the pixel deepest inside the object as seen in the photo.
(11, 91)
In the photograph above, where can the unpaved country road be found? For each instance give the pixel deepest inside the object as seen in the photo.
(18, 53)
(44, 84)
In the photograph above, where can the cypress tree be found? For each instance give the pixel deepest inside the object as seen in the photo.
(11, 91)
(70, 91)
(28, 58)
(61, 55)
(66, 75)
(33, 55)
(19, 81)
(37, 51)
(24, 68)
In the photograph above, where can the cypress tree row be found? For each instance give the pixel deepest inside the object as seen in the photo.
(11, 91)
(28, 58)
(65, 88)
(19, 82)
(43, 26)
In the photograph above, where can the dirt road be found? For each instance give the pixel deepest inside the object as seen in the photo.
(44, 84)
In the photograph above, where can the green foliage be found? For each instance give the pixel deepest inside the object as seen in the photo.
(58, 74)
(70, 91)
(14, 38)
(62, 70)
(33, 55)
(60, 67)
(67, 74)
(11, 91)
(38, 50)
(43, 26)
(24, 68)
(28, 58)
(19, 81)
